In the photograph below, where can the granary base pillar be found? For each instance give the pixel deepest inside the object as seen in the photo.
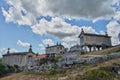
(98, 48)
(94, 48)
(89, 48)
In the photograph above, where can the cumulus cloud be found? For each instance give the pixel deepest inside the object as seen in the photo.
(45, 43)
(25, 12)
(81, 8)
(24, 44)
(4, 51)
(59, 28)
(41, 46)
(117, 16)
(113, 29)
(48, 42)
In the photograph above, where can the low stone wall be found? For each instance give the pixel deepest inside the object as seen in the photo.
(89, 60)
(68, 62)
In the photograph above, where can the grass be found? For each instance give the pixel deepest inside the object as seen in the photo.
(97, 74)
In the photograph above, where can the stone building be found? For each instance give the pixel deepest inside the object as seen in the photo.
(75, 48)
(22, 59)
(90, 42)
(73, 51)
(51, 51)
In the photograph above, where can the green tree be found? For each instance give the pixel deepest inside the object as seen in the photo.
(36, 54)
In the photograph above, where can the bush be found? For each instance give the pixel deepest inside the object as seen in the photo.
(10, 68)
(58, 56)
(3, 71)
(17, 68)
(52, 71)
(97, 74)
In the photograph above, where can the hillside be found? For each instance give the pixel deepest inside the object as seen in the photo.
(98, 71)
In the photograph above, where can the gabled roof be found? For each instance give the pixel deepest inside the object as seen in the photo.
(16, 53)
(99, 35)
(91, 34)
(55, 46)
(19, 53)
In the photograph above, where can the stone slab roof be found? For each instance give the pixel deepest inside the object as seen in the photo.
(55, 46)
(99, 35)
(16, 53)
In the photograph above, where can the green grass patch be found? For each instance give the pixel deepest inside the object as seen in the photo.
(97, 74)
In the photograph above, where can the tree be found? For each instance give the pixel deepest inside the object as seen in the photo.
(36, 54)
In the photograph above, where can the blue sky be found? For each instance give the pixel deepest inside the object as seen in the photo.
(41, 23)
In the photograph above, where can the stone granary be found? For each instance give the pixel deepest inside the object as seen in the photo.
(52, 51)
(91, 42)
(22, 59)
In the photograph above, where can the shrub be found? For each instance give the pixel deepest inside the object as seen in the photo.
(17, 68)
(2, 70)
(58, 56)
(10, 68)
(96, 74)
(52, 71)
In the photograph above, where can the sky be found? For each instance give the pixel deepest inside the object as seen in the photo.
(48, 22)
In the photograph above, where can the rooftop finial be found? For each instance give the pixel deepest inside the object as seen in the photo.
(57, 43)
(106, 33)
(82, 31)
(48, 45)
(30, 49)
(8, 50)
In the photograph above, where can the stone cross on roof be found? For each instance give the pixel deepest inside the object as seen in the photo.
(8, 50)
(30, 49)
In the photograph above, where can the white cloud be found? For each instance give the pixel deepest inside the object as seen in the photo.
(4, 51)
(117, 16)
(66, 45)
(45, 43)
(48, 42)
(13, 15)
(90, 9)
(24, 44)
(113, 29)
(66, 8)
(102, 32)
(13, 50)
(42, 47)
(81, 8)
(59, 28)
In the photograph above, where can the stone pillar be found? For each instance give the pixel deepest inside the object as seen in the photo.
(98, 48)
(89, 48)
(94, 48)
(85, 48)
